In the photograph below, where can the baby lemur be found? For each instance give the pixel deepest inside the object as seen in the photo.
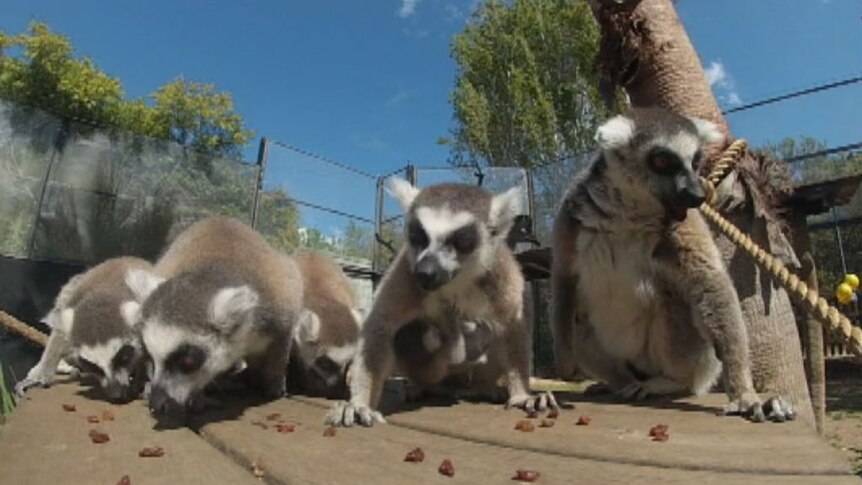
(220, 300)
(92, 330)
(455, 267)
(328, 328)
(641, 297)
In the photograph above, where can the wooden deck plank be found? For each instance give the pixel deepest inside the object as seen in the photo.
(479, 439)
(42, 444)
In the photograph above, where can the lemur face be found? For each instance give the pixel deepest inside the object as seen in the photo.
(656, 153)
(105, 346)
(453, 229)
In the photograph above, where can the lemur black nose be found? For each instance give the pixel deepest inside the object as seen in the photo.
(429, 275)
(689, 191)
(162, 406)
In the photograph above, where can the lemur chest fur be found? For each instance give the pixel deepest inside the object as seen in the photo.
(465, 302)
(617, 290)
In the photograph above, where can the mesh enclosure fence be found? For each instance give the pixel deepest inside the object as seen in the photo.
(91, 194)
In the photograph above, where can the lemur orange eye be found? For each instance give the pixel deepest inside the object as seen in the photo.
(660, 163)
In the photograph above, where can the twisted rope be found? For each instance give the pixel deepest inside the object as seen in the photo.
(795, 287)
(22, 329)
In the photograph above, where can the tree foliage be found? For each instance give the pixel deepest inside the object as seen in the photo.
(525, 92)
(38, 70)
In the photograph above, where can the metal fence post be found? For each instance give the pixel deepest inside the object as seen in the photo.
(59, 144)
(261, 172)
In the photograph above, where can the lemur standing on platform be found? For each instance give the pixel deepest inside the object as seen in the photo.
(92, 330)
(454, 268)
(220, 300)
(328, 328)
(641, 297)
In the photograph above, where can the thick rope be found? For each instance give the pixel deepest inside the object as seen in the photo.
(795, 287)
(22, 329)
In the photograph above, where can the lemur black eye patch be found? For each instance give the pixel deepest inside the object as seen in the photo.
(465, 239)
(186, 359)
(416, 235)
(663, 161)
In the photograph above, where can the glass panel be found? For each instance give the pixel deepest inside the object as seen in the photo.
(26, 147)
(115, 194)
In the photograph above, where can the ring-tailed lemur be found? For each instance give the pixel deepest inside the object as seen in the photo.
(92, 329)
(219, 300)
(641, 297)
(328, 328)
(455, 267)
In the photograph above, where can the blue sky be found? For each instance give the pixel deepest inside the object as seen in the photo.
(367, 83)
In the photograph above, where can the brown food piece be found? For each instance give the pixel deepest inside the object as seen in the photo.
(547, 423)
(416, 455)
(154, 452)
(125, 480)
(329, 432)
(92, 419)
(526, 475)
(659, 432)
(98, 437)
(107, 415)
(524, 425)
(260, 424)
(273, 417)
(285, 428)
(69, 408)
(446, 468)
(554, 414)
(583, 420)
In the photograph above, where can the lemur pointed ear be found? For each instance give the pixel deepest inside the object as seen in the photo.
(307, 327)
(707, 131)
(230, 305)
(403, 191)
(504, 208)
(142, 283)
(615, 133)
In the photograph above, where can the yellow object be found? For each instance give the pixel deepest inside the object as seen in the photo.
(852, 280)
(844, 293)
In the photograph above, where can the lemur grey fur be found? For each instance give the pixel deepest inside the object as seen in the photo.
(641, 297)
(219, 300)
(455, 267)
(92, 329)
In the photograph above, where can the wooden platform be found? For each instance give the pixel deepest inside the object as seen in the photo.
(42, 443)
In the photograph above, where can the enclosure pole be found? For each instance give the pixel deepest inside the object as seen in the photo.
(839, 240)
(59, 143)
(412, 175)
(261, 172)
(378, 228)
(531, 204)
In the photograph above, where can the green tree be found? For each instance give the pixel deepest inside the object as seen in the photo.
(525, 91)
(278, 220)
(45, 75)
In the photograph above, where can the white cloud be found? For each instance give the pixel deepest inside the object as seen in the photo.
(722, 84)
(453, 13)
(408, 8)
(399, 97)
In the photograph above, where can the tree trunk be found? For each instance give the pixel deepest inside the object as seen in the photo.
(645, 50)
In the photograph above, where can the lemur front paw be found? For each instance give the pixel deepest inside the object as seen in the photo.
(533, 402)
(33, 379)
(779, 409)
(345, 413)
(749, 405)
